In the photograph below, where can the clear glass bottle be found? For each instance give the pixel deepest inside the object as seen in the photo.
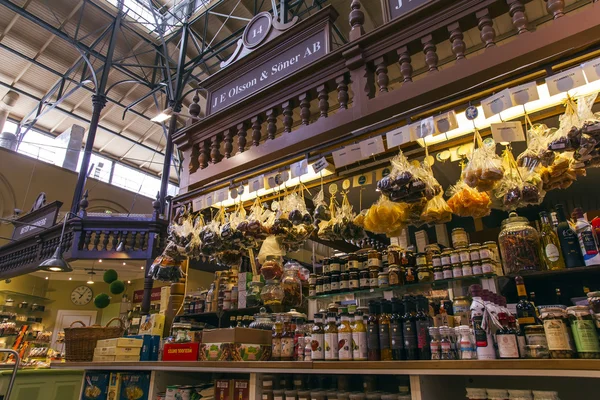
(331, 338)
(446, 344)
(435, 343)
(551, 252)
(291, 285)
(318, 338)
(359, 338)
(467, 350)
(345, 338)
(519, 245)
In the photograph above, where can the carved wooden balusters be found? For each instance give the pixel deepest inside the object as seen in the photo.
(382, 74)
(323, 95)
(228, 142)
(431, 57)
(519, 18)
(342, 91)
(404, 60)
(271, 123)
(304, 99)
(241, 133)
(204, 154)
(486, 28)
(215, 149)
(556, 8)
(457, 41)
(256, 126)
(357, 20)
(288, 109)
(105, 239)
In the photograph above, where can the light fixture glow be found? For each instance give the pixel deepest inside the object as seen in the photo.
(128, 282)
(163, 115)
(46, 278)
(124, 263)
(56, 263)
(99, 260)
(90, 282)
(70, 278)
(142, 267)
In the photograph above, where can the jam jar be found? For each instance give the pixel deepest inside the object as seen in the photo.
(425, 274)
(353, 262)
(558, 334)
(396, 276)
(459, 237)
(373, 259)
(584, 332)
(519, 245)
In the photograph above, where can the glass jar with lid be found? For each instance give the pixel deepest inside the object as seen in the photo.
(457, 271)
(519, 245)
(459, 237)
(272, 295)
(467, 269)
(319, 286)
(353, 282)
(436, 261)
(383, 279)
(463, 254)
(558, 334)
(271, 268)
(393, 254)
(497, 394)
(474, 251)
(425, 274)
(584, 332)
(395, 274)
(535, 335)
(335, 265)
(373, 259)
(476, 394)
(445, 258)
(545, 395)
(353, 262)
(291, 285)
(517, 394)
(447, 271)
(454, 257)
(263, 320)
(421, 259)
(438, 273)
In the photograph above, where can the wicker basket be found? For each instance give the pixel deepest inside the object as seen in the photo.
(80, 341)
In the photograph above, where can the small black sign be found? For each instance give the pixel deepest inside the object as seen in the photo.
(397, 8)
(44, 217)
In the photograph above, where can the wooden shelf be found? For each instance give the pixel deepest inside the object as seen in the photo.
(570, 368)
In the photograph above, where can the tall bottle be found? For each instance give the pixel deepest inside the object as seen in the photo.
(483, 338)
(587, 239)
(526, 313)
(569, 243)
(373, 353)
(317, 339)
(422, 324)
(345, 338)
(276, 341)
(287, 340)
(397, 341)
(551, 253)
(521, 342)
(359, 338)
(506, 338)
(409, 329)
(385, 349)
(331, 338)
(208, 303)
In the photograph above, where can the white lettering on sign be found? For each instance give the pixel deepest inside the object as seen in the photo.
(565, 81)
(320, 165)
(496, 104)
(283, 64)
(29, 228)
(400, 7)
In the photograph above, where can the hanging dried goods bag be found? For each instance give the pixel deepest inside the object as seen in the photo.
(484, 170)
(405, 183)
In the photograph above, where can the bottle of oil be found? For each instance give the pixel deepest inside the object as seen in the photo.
(385, 349)
(373, 332)
(359, 338)
(345, 338)
(331, 338)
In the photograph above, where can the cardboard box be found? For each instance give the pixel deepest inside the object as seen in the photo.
(242, 299)
(134, 385)
(120, 342)
(103, 358)
(241, 389)
(117, 351)
(165, 292)
(223, 389)
(152, 324)
(128, 358)
(155, 348)
(181, 351)
(114, 386)
(95, 386)
(237, 344)
(244, 279)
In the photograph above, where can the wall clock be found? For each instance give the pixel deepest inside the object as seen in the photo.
(81, 295)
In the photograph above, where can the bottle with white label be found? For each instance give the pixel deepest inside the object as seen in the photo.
(587, 239)
(506, 339)
(483, 337)
(331, 338)
(345, 338)
(359, 338)
(317, 342)
(551, 253)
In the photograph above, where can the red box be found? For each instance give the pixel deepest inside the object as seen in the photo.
(181, 351)
(224, 389)
(241, 389)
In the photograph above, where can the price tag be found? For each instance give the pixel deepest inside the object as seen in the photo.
(362, 180)
(399, 136)
(592, 70)
(371, 146)
(221, 195)
(565, 81)
(423, 128)
(508, 132)
(524, 93)
(299, 168)
(496, 104)
(209, 200)
(270, 180)
(348, 155)
(257, 183)
(320, 165)
(445, 122)
(198, 204)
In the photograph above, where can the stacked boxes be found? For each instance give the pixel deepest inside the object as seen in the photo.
(118, 349)
(150, 346)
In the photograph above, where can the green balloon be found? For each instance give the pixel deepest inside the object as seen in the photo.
(102, 300)
(117, 287)
(110, 276)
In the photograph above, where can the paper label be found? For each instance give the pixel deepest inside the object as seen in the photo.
(524, 93)
(198, 203)
(445, 122)
(221, 195)
(257, 183)
(423, 128)
(380, 173)
(320, 165)
(399, 136)
(371, 146)
(508, 132)
(348, 155)
(496, 103)
(299, 168)
(209, 200)
(565, 81)
(592, 70)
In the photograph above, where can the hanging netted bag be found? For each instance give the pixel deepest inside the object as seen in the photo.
(484, 170)
(344, 226)
(519, 187)
(254, 226)
(465, 201)
(167, 266)
(386, 217)
(404, 183)
(210, 236)
(294, 208)
(537, 153)
(436, 210)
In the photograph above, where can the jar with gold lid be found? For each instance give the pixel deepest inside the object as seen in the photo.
(373, 259)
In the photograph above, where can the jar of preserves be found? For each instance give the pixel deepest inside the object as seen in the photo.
(519, 245)
(558, 335)
(467, 269)
(393, 254)
(421, 259)
(373, 259)
(492, 247)
(454, 257)
(263, 320)
(517, 394)
(436, 261)
(353, 262)
(319, 286)
(363, 279)
(487, 267)
(497, 394)
(584, 332)
(291, 285)
(463, 254)
(395, 274)
(271, 268)
(272, 294)
(534, 334)
(344, 281)
(326, 269)
(545, 395)
(335, 282)
(424, 274)
(537, 351)
(476, 394)
(326, 284)
(383, 279)
(447, 271)
(456, 271)
(461, 305)
(363, 261)
(459, 237)
(353, 280)
(335, 265)
(410, 275)
(446, 258)
(373, 275)
(474, 251)
(594, 300)
(438, 273)
(476, 267)
(312, 279)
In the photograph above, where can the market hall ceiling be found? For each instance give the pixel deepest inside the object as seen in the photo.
(41, 62)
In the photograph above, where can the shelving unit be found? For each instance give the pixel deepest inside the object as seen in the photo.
(218, 317)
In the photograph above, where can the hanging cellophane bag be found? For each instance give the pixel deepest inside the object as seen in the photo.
(484, 170)
(465, 201)
(436, 211)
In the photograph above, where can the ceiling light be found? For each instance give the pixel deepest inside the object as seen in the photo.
(163, 116)
(90, 282)
(128, 282)
(70, 278)
(56, 263)
(46, 278)
(141, 267)
(124, 263)
(99, 260)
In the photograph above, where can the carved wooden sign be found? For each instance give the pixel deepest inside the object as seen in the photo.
(37, 220)
(393, 9)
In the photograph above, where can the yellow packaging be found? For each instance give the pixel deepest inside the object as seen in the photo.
(120, 342)
(153, 324)
(117, 351)
(114, 386)
(98, 358)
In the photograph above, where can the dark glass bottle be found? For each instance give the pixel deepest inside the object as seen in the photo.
(422, 324)
(397, 341)
(409, 331)
(506, 339)
(373, 332)
(525, 310)
(384, 331)
(558, 298)
(569, 243)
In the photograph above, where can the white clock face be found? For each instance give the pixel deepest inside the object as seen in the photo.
(81, 295)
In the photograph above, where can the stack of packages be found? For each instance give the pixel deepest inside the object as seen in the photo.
(99, 385)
